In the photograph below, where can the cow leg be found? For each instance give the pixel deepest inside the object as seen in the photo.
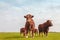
(46, 32)
(42, 34)
(32, 33)
(26, 34)
(35, 33)
(39, 33)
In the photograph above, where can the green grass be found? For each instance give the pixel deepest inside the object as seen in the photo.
(17, 36)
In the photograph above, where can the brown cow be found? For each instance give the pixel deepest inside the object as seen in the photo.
(30, 25)
(44, 27)
(22, 31)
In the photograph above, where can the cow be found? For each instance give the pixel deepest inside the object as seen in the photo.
(22, 31)
(44, 28)
(29, 25)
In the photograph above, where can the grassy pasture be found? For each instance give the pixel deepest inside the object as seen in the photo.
(17, 36)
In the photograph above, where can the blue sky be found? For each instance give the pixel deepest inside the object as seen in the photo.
(12, 13)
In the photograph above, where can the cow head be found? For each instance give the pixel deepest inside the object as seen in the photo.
(28, 17)
(49, 23)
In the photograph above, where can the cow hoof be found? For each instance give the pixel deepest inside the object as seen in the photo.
(26, 36)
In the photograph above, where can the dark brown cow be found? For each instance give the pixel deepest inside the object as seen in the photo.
(30, 25)
(44, 27)
(22, 31)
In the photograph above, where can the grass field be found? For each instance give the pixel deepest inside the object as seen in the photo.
(17, 36)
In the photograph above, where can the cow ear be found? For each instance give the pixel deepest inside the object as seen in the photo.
(24, 16)
(32, 16)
